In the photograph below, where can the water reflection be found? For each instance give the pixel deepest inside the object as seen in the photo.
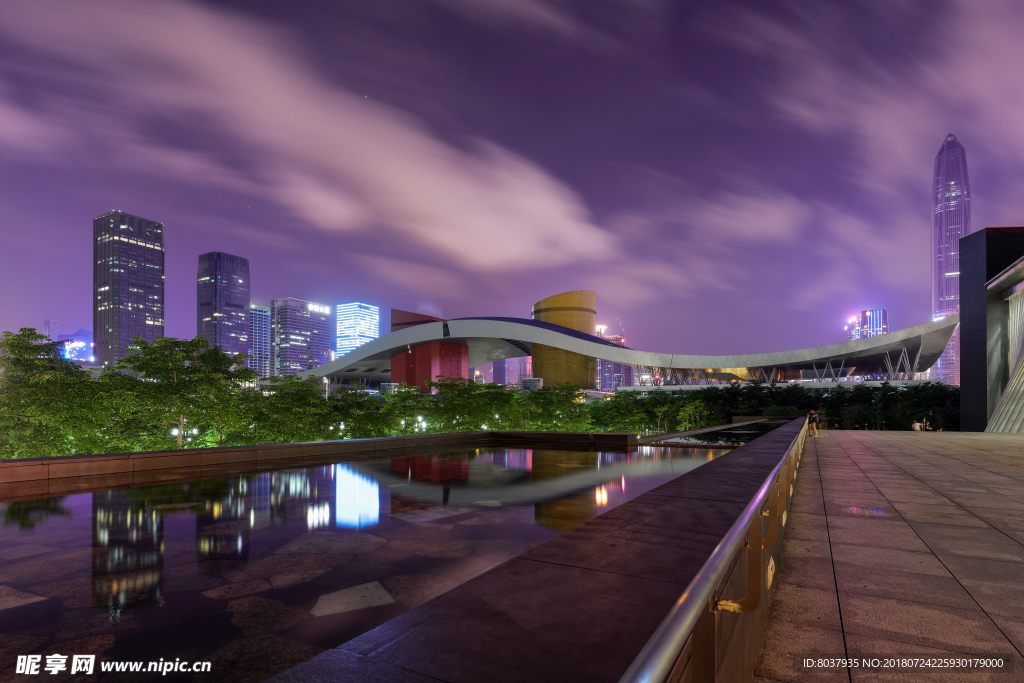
(313, 555)
(127, 550)
(356, 499)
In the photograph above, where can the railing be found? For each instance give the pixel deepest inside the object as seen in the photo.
(695, 615)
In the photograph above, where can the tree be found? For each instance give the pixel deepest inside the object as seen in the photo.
(44, 398)
(196, 387)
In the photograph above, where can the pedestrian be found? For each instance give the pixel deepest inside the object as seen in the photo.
(917, 426)
(812, 422)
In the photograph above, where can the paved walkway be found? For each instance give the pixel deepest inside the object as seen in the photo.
(901, 544)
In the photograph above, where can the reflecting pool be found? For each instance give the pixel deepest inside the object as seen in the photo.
(257, 573)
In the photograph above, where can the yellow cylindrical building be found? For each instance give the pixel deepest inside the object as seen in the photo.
(578, 311)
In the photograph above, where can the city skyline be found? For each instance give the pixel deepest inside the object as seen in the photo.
(643, 151)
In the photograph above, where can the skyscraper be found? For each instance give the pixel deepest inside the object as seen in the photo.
(260, 358)
(951, 220)
(358, 323)
(222, 301)
(127, 283)
(301, 334)
(874, 322)
(870, 323)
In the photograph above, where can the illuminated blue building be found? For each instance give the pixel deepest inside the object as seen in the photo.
(357, 323)
(873, 323)
(260, 358)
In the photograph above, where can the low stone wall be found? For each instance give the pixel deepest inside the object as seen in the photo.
(60, 475)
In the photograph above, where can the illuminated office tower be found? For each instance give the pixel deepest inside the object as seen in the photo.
(951, 220)
(873, 323)
(127, 283)
(358, 323)
(222, 301)
(301, 334)
(259, 340)
(852, 328)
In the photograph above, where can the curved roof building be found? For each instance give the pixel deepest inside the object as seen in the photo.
(893, 355)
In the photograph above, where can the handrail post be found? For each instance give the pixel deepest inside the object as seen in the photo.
(705, 645)
(772, 512)
(750, 601)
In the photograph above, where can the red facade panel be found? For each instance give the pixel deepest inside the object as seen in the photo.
(426, 362)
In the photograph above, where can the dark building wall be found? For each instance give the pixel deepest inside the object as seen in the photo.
(222, 301)
(128, 283)
(402, 319)
(984, 364)
(423, 363)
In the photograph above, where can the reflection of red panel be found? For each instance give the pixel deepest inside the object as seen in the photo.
(425, 362)
(432, 469)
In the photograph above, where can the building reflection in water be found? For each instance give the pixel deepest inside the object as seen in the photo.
(127, 550)
(223, 524)
(356, 499)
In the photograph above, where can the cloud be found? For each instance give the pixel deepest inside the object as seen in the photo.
(339, 161)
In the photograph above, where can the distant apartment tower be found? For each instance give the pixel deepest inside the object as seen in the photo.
(51, 328)
(222, 301)
(951, 220)
(302, 334)
(260, 358)
(357, 323)
(127, 283)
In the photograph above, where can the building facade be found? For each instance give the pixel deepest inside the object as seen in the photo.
(873, 323)
(357, 323)
(575, 310)
(951, 220)
(302, 334)
(426, 362)
(128, 283)
(611, 375)
(222, 301)
(260, 356)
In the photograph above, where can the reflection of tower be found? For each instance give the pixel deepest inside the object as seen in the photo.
(566, 513)
(127, 550)
(577, 311)
(951, 220)
(224, 525)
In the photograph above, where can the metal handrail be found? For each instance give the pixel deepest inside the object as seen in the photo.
(661, 652)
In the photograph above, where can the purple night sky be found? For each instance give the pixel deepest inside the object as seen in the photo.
(728, 177)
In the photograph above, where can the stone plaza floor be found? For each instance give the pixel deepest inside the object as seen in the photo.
(901, 544)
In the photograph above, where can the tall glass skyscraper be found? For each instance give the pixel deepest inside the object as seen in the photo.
(358, 323)
(222, 301)
(260, 358)
(127, 283)
(951, 220)
(302, 334)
